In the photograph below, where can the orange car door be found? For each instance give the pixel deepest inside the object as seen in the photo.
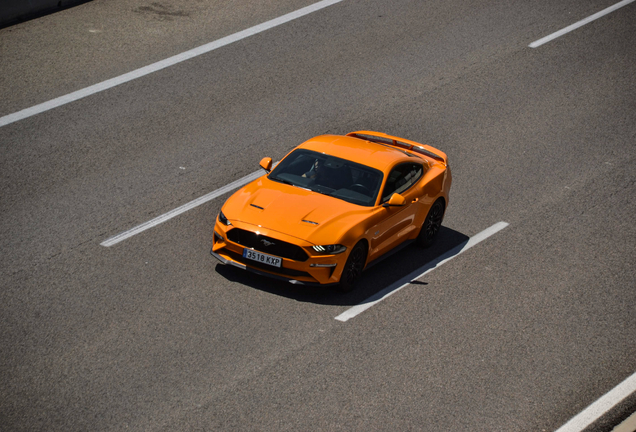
(398, 222)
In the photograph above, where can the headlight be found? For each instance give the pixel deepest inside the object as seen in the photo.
(330, 249)
(223, 219)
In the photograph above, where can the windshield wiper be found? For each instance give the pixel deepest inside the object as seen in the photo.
(287, 182)
(282, 181)
(321, 192)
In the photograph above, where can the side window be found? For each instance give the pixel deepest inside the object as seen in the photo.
(401, 179)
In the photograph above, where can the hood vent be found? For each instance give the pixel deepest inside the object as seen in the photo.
(258, 207)
(310, 222)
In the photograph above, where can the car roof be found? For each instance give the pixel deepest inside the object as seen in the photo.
(358, 150)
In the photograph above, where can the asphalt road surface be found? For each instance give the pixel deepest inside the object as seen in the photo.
(519, 333)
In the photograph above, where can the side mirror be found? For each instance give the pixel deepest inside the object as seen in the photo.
(395, 201)
(266, 164)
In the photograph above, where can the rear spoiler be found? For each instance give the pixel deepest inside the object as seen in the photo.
(401, 143)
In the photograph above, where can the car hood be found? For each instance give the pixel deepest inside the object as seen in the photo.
(301, 213)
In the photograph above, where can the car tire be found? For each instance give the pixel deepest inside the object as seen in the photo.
(432, 224)
(353, 267)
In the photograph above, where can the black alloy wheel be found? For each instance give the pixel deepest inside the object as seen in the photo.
(353, 267)
(432, 224)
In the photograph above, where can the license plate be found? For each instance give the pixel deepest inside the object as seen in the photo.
(262, 258)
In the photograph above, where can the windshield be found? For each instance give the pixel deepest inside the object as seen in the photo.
(329, 175)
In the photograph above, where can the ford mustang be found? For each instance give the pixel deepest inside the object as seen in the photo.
(334, 205)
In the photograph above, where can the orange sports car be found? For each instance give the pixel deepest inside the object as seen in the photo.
(334, 205)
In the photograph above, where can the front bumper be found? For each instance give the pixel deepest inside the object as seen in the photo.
(320, 270)
(264, 273)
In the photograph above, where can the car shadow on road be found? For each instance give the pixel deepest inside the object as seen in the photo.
(373, 280)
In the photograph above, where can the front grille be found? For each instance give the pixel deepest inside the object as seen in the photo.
(275, 246)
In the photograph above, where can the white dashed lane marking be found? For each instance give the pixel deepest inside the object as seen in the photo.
(170, 61)
(429, 267)
(578, 24)
(184, 208)
(608, 401)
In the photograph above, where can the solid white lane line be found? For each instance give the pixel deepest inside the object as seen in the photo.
(593, 412)
(581, 23)
(406, 280)
(184, 208)
(104, 85)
